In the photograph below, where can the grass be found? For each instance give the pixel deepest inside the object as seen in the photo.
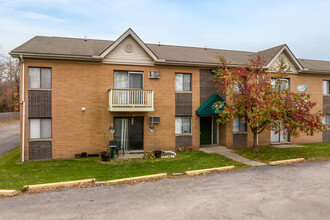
(314, 151)
(14, 174)
(8, 121)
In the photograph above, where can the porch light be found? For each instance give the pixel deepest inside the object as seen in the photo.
(112, 129)
(152, 128)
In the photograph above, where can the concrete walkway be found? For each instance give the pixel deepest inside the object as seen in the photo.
(230, 154)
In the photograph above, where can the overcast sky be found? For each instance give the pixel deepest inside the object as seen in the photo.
(224, 24)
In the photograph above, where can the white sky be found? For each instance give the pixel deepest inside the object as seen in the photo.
(248, 25)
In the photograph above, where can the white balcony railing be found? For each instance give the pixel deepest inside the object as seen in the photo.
(131, 100)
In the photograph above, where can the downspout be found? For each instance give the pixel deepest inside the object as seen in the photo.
(23, 103)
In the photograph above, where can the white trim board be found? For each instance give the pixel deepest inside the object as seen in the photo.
(291, 56)
(129, 32)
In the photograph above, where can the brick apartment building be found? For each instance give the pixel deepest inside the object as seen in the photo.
(151, 96)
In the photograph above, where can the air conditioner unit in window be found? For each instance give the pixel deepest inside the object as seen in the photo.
(154, 74)
(154, 120)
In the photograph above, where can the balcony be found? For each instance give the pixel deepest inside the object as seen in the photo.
(131, 100)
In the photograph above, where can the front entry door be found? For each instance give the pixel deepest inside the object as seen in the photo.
(129, 133)
(205, 130)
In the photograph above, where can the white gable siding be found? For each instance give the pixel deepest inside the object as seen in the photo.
(274, 66)
(120, 56)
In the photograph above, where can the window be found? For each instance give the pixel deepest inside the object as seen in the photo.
(182, 125)
(239, 125)
(276, 136)
(40, 78)
(326, 120)
(284, 83)
(40, 128)
(326, 89)
(236, 86)
(128, 80)
(182, 82)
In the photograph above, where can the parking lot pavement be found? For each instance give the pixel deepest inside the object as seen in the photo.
(298, 191)
(9, 137)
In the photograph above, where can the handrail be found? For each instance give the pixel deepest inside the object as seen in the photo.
(131, 100)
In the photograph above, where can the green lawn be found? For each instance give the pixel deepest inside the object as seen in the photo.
(14, 174)
(315, 151)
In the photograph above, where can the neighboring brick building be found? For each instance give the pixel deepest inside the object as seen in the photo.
(74, 90)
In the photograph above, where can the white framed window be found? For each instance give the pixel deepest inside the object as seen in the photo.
(182, 125)
(326, 87)
(128, 80)
(40, 78)
(326, 120)
(239, 125)
(182, 82)
(40, 128)
(235, 87)
(284, 83)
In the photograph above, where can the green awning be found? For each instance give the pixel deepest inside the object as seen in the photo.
(208, 107)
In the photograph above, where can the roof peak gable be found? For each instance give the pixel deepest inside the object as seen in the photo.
(127, 33)
(286, 49)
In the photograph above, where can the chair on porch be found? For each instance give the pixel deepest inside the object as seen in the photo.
(113, 145)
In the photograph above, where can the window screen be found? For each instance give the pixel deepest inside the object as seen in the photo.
(40, 78)
(182, 125)
(182, 82)
(40, 128)
(326, 87)
(34, 128)
(239, 125)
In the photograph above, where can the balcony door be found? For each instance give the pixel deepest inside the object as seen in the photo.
(129, 132)
(128, 80)
(278, 137)
(130, 83)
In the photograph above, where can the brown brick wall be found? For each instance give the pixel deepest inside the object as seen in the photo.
(207, 87)
(40, 150)
(240, 139)
(40, 104)
(326, 101)
(183, 141)
(81, 84)
(183, 104)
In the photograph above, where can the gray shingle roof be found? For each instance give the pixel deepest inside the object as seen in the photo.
(268, 54)
(318, 65)
(63, 46)
(90, 48)
(197, 54)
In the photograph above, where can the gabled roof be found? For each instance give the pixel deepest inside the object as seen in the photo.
(131, 33)
(286, 49)
(315, 65)
(63, 46)
(268, 54)
(96, 50)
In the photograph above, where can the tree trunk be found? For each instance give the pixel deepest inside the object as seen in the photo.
(255, 144)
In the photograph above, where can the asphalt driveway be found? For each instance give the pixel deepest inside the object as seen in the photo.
(283, 192)
(9, 137)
